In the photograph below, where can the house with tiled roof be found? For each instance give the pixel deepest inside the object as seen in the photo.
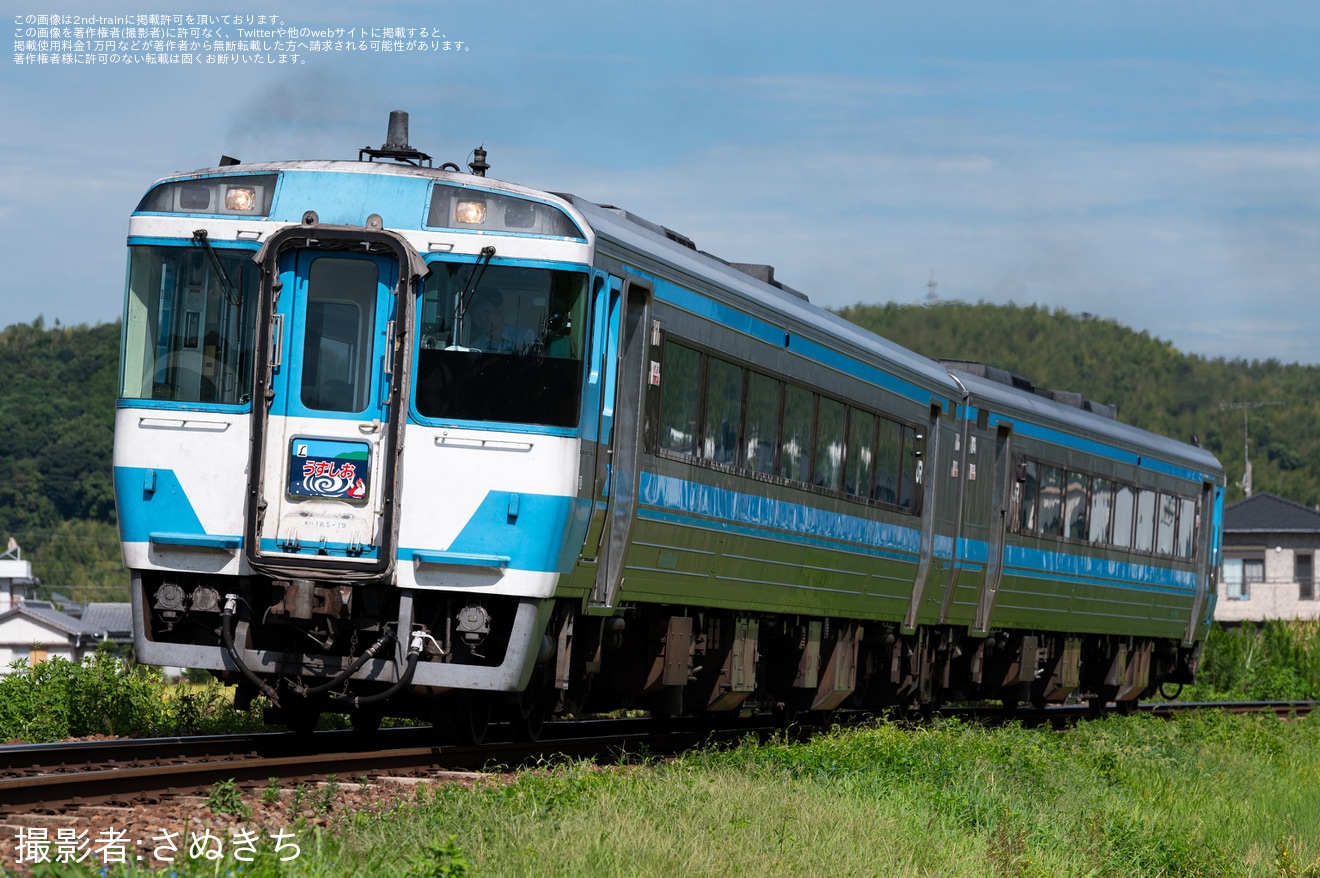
(34, 631)
(115, 619)
(1270, 547)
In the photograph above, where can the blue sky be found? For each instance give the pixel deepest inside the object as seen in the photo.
(1154, 162)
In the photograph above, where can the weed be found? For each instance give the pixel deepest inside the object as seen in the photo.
(1007, 847)
(271, 793)
(226, 798)
(329, 792)
(1286, 864)
(296, 800)
(443, 861)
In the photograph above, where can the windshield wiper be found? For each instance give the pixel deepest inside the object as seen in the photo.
(465, 298)
(232, 297)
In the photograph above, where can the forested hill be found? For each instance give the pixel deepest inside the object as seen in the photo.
(57, 404)
(57, 393)
(1154, 386)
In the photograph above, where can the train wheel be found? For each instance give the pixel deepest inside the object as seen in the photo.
(300, 715)
(473, 720)
(1097, 707)
(785, 716)
(365, 722)
(1125, 708)
(530, 722)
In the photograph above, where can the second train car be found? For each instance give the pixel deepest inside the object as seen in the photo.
(399, 438)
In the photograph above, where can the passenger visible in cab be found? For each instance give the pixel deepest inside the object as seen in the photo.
(489, 330)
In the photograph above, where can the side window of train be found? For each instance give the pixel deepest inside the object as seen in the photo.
(1102, 501)
(795, 442)
(889, 450)
(761, 435)
(1028, 484)
(1187, 528)
(723, 412)
(909, 492)
(829, 444)
(1080, 507)
(1075, 506)
(1125, 507)
(717, 411)
(1168, 522)
(1051, 501)
(861, 445)
(679, 398)
(1144, 535)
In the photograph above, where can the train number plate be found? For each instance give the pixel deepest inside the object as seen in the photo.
(329, 468)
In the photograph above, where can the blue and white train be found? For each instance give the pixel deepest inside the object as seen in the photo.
(400, 438)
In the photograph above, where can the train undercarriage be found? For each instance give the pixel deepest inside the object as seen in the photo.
(464, 660)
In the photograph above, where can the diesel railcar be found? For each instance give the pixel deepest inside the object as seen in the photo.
(393, 437)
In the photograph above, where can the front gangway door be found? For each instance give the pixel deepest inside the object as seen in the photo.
(324, 468)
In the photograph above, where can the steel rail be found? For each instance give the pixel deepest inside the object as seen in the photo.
(121, 783)
(46, 774)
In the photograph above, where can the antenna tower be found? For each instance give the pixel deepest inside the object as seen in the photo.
(1246, 408)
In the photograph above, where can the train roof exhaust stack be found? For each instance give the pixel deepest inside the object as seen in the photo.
(479, 165)
(397, 136)
(396, 144)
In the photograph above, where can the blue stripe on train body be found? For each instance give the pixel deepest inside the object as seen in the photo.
(532, 540)
(679, 501)
(152, 501)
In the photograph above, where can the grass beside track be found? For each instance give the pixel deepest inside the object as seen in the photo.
(1207, 794)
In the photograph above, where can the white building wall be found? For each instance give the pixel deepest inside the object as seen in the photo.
(21, 631)
(10, 594)
(1278, 597)
(24, 639)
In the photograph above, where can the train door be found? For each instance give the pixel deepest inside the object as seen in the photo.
(1208, 560)
(1005, 487)
(928, 479)
(603, 375)
(325, 443)
(615, 475)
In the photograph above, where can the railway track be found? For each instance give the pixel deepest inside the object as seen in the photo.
(56, 777)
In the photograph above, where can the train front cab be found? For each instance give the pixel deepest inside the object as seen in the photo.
(305, 563)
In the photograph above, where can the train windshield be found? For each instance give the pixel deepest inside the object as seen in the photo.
(188, 324)
(511, 352)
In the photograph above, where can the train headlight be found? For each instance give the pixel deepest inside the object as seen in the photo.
(471, 213)
(242, 198)
(247, 195)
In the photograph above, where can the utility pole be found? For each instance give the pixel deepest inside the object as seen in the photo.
(1246, 408)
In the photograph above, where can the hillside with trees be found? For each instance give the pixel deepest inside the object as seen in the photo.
(57, 393)
(1155, 386)
(57, 403)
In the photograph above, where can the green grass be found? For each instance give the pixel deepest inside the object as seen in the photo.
(1277, 661)
(1204, 795)
(58, 699)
